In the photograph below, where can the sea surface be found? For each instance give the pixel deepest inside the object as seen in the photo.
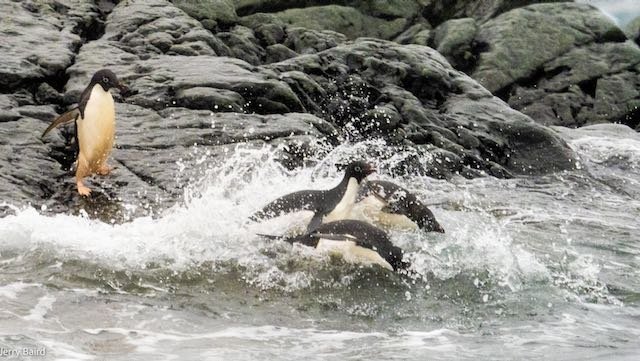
(535, 268)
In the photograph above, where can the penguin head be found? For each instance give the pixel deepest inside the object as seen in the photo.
(107, 80)
(359, 170)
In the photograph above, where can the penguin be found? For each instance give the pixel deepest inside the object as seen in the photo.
(328, 205)
(95, 124)
(356, 241)
(389, 204)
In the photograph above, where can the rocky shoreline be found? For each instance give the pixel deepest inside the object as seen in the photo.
(475, 84)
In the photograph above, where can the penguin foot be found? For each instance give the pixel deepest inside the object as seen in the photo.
(83, 190)
(104, 170)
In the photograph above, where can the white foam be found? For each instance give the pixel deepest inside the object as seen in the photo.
(12, 290)
(44, 305)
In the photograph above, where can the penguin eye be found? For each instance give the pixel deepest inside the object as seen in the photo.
(105, 80)
(358, 169)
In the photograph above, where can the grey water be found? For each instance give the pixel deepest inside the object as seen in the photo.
(537, 268)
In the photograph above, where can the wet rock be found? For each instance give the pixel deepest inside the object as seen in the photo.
(439, 11)
(39, 39)
(243, 44)
(47, 94)
(633, 30)
(557, 63)
(346, 20)
(213, 75)
(305, 41)
(427, 100)
(210, 13)
(416, 34)
(143, 28)
(378, 8)
(544, 32)
(279, 52)
(162, 80)
(7, 108)
(590, 84)
(455, 40)
(210, 98)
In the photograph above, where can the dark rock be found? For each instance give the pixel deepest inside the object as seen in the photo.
(37, 41)
(196, 66)
(305, 41)
(633, 30)
(279, 52)
(590, 84)
(212, 12)
(558, 63)
(210, 98)
(45, 113)
(346, 20)
(46, 94)
(243, 44)
(7, 108)
(416, 34)
(544, 32)
(162, 79)
(428, 100)
(157, 27)
(455, 40)
(439, 11)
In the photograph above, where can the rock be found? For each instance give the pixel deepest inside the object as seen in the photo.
(156, 27)
(210, 98)
(416, 34)
(544, 32)
(455, 40)
(427, 100)
(210, 12)
(439, 11)
(633, 30)
(385, 9)
(39, 40)
(279, 52)
(557, 63)
(214, 76)
(590, 84)
(159, 79)
(243, 44)
(305, 41)
(47, 94)
(346, 20)
(7, 108)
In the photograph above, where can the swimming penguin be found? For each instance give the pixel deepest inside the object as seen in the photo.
(95, 124)
(390, 205)
(356, 241)
(328, 205)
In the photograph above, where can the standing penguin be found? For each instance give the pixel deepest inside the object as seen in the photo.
(328, 205)
(95, 123)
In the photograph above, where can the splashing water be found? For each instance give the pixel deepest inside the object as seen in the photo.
(525, 263)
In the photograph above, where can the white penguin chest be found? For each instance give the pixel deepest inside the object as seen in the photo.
(344, 207)
(96, 130)
(369, 210)
(352, 253)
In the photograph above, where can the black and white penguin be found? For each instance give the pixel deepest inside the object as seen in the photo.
(328, 205)
(388, 204)
(356, 241)
(95, 124)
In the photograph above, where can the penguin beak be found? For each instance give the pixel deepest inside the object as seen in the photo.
(124, 90)
(369, 169)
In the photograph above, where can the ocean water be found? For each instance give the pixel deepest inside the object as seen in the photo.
(537, 268)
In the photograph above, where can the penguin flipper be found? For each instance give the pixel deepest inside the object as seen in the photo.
(65, 118)
(293, 202)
